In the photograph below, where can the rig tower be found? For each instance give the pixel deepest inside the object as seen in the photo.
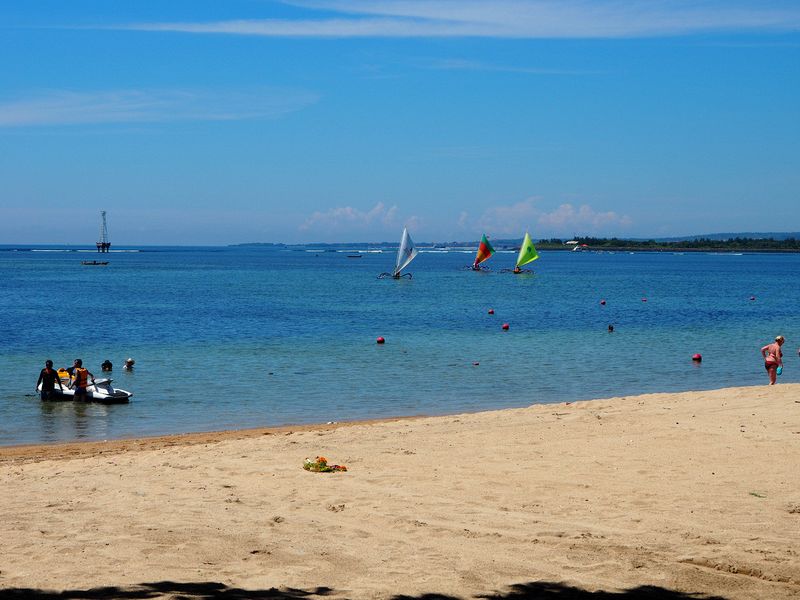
(103, 245)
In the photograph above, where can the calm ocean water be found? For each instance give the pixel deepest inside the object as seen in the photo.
(246, 337)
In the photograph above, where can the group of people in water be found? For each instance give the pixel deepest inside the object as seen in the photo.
(78, 380)
(79, 376)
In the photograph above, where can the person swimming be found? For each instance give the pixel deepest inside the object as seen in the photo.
(128, 366)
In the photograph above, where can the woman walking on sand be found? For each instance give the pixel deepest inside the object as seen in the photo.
(773, 358)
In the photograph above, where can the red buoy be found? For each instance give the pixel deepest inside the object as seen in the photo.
(602, 302)
(505, 326)
(491, 311)
(380, 339)
(697, 357)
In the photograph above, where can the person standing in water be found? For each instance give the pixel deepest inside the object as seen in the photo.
(773, 358)
(48, 377)
(81, 381)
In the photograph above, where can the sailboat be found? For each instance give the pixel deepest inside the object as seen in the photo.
(405, 254)
(527, 253)
(485, 252)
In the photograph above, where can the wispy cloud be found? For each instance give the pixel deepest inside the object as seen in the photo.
(509, 19)
(347, 218)
(473, 65)
(566, 219)
(60, 107)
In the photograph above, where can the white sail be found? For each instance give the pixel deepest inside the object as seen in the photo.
(405, 253)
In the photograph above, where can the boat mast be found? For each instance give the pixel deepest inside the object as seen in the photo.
(103, 245)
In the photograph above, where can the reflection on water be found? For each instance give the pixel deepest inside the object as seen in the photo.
(66, 420)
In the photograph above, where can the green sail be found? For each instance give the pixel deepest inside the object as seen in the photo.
(527, 252)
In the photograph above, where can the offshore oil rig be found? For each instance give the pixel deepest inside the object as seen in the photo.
(103, 245)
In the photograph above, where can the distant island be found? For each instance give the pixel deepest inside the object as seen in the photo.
(716, 242)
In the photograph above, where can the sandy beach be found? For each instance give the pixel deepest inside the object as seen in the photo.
(670, 494)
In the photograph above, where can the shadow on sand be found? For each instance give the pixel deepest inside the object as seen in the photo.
(540, 590)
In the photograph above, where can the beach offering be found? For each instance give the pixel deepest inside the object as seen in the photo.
(320, 465)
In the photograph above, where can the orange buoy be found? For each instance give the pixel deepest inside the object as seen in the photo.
(380, 339)
(697, 357)
(505, 326)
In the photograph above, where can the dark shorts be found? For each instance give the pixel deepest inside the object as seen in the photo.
(49, 395)
(769, 366)
(80, 392)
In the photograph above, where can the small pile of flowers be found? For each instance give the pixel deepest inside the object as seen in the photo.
(320, 465)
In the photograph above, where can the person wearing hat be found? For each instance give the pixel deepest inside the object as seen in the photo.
(128, 366)
(48, 377)
(773, 358)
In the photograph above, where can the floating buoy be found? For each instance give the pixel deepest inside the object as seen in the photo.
(644, 299)
(505, 326)
(602, 302)
(380, 339)
(476, 363)
(752, 297)
(697, 357)
(491, 311)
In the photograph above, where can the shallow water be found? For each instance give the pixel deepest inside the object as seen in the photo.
(246, 337)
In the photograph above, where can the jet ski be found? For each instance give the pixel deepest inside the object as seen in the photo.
(100, 391)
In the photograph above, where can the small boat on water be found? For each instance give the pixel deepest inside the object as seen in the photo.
(405, 254)
(100, 391)
(527, 253)
(94, 262)
(485, 252)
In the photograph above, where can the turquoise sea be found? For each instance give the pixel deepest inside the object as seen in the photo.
(261, 336)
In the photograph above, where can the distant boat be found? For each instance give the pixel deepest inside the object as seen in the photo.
(353, 256)
(405, 254)
(527, 253)
(94, 262)
(485, 252)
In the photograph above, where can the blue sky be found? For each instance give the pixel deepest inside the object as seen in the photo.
(215, 122)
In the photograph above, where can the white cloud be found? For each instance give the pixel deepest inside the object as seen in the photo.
(566, 219)
(515, 218)
(61, 107)
(347, 218)
(510, 19)
(504, 220)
